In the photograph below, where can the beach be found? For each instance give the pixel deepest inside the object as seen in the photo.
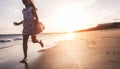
(84, 50)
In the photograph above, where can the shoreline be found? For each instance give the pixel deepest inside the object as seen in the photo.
(87, 50)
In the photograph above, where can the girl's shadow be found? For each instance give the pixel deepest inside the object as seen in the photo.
(42, 50)
(26, 66)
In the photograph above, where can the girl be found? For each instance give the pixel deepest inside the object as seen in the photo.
(30, 18)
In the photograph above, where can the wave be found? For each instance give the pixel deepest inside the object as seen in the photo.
(5, 47)
(10, 40)
(6, 40)
(6, 43)
(18, 38)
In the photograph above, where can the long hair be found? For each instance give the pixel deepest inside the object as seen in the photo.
(33, 5)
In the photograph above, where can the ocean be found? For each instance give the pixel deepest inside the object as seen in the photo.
(49, 39)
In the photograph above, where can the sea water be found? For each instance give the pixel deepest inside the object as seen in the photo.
(49, 39)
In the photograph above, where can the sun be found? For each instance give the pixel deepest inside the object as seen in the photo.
(71, 17)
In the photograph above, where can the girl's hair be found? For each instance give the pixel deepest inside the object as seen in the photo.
(32, 4)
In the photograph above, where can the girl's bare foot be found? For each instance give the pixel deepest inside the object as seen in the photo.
(41, 43)
(24, 60)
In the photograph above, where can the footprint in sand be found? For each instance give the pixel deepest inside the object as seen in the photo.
(113, 53)
(114, 61)
(107, 52)
(90, 42)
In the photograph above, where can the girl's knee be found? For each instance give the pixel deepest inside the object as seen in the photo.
(34, 41)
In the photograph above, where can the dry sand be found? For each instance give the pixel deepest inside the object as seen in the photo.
(88, 50)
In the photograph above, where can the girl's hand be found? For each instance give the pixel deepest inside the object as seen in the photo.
(18, 23)
(36, 21)
(15, 23)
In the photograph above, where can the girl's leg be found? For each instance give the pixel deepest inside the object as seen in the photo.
(25, 41)
(34, 40)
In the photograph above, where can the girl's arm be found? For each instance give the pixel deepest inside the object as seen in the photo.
(15, 23)
(35, 15)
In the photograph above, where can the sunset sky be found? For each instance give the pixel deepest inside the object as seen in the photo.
(60, 15)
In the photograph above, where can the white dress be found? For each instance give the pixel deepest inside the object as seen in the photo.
(28, 24)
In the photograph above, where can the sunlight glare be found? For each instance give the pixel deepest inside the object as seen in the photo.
(69, 36)
(72, 17)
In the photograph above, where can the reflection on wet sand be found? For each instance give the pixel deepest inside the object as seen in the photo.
(26, 66)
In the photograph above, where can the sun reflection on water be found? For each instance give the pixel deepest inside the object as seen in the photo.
(69, 36)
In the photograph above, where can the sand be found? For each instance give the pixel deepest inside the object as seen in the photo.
(87, 50)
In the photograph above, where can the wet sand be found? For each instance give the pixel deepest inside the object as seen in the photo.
(87, 50)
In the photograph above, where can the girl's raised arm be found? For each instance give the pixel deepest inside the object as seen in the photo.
(15, 23)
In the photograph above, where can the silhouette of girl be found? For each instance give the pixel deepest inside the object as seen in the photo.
(29, 25)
